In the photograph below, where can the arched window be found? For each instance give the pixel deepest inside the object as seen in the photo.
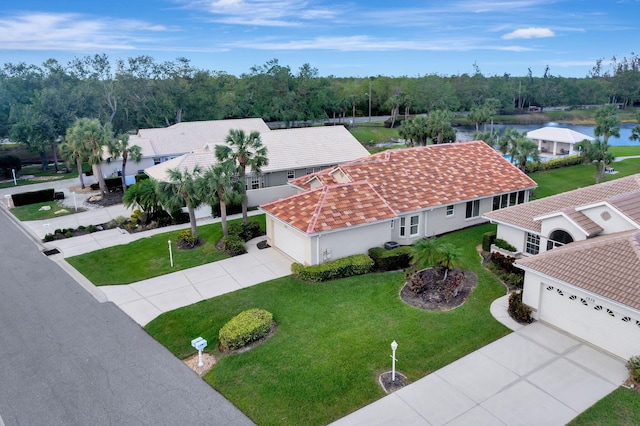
(559, 238)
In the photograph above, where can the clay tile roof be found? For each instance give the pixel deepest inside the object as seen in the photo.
(331, 207)
(416, 178)
(623, 193)
(589, 227)
(608, 265)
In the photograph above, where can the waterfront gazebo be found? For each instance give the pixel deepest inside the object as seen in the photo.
(556, 140)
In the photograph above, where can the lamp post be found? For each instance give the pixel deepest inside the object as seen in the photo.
(75, 204)
(394, 346)
(170, 254)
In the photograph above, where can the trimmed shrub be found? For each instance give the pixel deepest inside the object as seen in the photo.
(245, 232)
(33, 197)
(58, 195)
(233, 245)
(518, 310)
(141, 176)
(246, 327)
(358, 264)
(390, 260)
(47, 238)
(113, 184)
(505, 263)
(556, 163)
(186, 238)
(504, 245)
(633, 365)
(488, 238)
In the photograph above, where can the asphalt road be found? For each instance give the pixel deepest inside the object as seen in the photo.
(66, 359)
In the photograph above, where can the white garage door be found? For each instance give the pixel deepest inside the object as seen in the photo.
(289, 241)
(591, 320)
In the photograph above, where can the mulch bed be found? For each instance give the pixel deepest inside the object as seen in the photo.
(389, 385)
(432, 298)
(109, 199)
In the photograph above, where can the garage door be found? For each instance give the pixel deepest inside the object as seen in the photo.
(592, 320)
(289, 241)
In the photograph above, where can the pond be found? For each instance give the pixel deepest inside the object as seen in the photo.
(465, 133)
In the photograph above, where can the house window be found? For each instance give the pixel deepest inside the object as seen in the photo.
(533, 243)
(521, 195)
(413, 224)
(291, 174)
(450, 210)
(311, 170)
(255, 182)
(473, 209)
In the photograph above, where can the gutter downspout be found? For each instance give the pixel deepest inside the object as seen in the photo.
(318, 249)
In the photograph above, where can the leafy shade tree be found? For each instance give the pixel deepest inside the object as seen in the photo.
(607, 123)
(144, 195)
(220, 185)
(74, 152)
(90, 136)
(597, 152)
(119, 146)
(181, 188)
(448, 257)
(243, 151)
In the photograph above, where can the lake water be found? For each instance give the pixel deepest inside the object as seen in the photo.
(465, 133)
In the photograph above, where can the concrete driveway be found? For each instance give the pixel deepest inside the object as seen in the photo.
(534, 376)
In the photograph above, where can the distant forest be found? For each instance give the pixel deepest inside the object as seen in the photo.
(38, 103)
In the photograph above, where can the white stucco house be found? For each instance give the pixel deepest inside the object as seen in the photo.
(397, 195)
(557, 140)
(580, 251)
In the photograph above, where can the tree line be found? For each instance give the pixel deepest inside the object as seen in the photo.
(39, 103)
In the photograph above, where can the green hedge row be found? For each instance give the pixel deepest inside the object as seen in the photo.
(246, 327)
(556, 163)
(32, 197)
(487, 239)
(358, 264)
(390, 260)
(112, 184)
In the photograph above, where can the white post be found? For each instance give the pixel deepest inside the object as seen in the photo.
(394, 346)
(15, 183)
(170, 254)
(74, 200)
(200, 362)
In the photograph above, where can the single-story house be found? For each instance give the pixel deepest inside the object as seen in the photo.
(397, 195)
(556, 140)
(580, 251)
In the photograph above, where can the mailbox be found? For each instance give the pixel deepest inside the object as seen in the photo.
(199, 343)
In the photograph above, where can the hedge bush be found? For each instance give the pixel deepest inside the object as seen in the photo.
(246, 327)
(358, 264)
(245, 232)
(556, 163)
(390, 260)
(234, 245)
(32, 197)
(518, 310)
(503, 245)
(633, 365)
(488, 238)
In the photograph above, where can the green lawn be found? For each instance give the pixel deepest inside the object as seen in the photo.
(39, 173)
(621, 408)
(149, 257)
(555, 181)
(624, 151)
(333, 340)
(369, 134)
(33, 212)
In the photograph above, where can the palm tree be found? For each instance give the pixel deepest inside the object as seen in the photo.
(72, 151)
(597, 152)
(220, 184)
(92, 136)
(119, 146)
(424, 252)
(635, 132)
(243, 151)
(526, 149)
(439, 126)
(448, 257)
(144, 195)
(181, 188)
(508, 143)
(607, 122)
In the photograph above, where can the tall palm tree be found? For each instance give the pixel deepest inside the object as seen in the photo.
(72, 151)
(181, 188)
(597, 152)
(92, 136)
(119, 146)
(243, 151)
(220, 184)
(526, 149)
(439, 126)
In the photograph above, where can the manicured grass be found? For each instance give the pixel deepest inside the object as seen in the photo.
(624, 151)
(372, 133)
(555, 181)
(621, 408)
(333, 339)
(38, 172)
(149, 257)
(33, 212)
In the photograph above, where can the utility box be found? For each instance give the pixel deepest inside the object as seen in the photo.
(391, 245)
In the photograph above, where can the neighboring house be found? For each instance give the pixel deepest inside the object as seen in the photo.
(556, 140)
(581, 257)
(397, 195)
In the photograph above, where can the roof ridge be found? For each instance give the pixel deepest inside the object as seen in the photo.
(318, 209)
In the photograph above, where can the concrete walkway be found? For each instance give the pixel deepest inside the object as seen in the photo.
(534, 376)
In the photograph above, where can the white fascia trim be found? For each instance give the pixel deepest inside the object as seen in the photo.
(606, 204)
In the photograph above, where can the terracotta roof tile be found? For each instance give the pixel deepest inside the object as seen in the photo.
(623, 193)
(608, 265)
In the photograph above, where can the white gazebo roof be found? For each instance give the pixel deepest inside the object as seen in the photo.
(558, 134)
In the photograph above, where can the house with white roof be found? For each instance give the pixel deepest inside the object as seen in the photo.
(397, 195)
(580, 251)
(556, 140)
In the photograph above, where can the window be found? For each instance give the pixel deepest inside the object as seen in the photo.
(311, 170)
(521, 195)
(533, 243)
(291, 174)
(450, 210)
(473, 209)
(255, 182)
(414, 221)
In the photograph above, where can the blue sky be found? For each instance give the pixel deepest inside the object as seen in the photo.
(342, 38)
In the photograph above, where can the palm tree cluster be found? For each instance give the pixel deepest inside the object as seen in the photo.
(435, 126)
(428, 252)
(519, 147)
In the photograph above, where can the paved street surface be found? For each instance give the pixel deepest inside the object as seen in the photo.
(67, 359)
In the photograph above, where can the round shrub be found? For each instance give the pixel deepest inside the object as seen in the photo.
(234, 245)
(245, 328)
(518, 310)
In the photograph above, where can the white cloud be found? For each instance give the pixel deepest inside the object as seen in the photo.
(531, 32)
